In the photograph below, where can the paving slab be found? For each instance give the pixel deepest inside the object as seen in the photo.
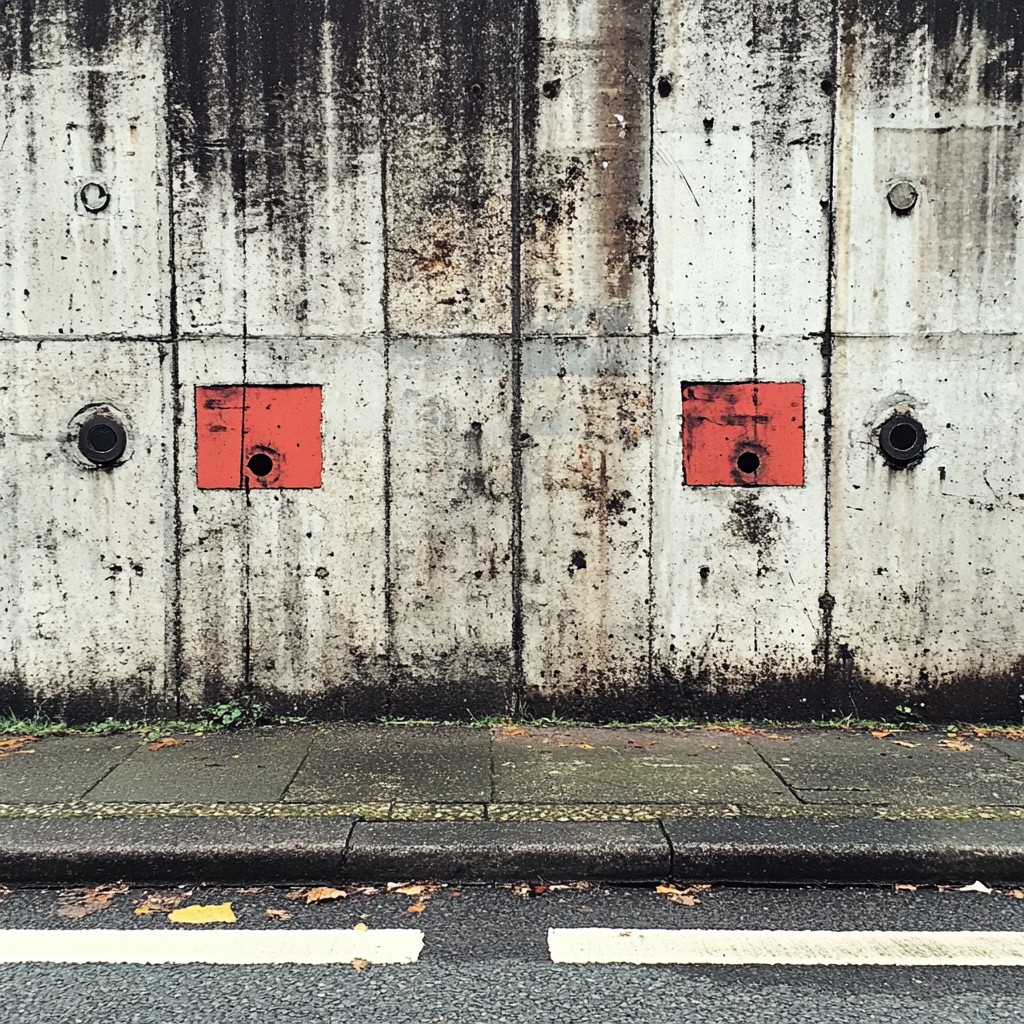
(1014, 749)
(223, 767)
(630, 767)
(912, 769)
(60, 768)
(415, 764)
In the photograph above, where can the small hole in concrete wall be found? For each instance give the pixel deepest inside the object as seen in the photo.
(260, 464)
(903, 437)
(552, 89)
(578, 560)
(664, 87)
(705, 572)
(748, 462)
(828, 86)
(476, 89)
(709, 123)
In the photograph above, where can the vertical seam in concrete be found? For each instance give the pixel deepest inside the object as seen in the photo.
(383, 128)
(827, 602)
(516, 694)
(348, 839)
(174, 598)
(237, 147)
(652, 331)
(755, 41)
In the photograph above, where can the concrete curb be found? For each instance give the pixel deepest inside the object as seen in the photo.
(297, 850)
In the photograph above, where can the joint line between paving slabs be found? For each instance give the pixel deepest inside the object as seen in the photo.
(299, 766)
(796, 796)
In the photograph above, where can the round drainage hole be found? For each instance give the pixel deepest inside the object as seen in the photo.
(903, 437)
(748, 463)
(260, 464)
(102, 439)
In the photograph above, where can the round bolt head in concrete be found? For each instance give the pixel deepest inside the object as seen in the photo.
(902, 197)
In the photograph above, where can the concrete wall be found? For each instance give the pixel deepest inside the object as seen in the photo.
(499, 243)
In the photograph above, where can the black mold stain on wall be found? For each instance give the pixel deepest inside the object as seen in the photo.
(258, 79)
(950, 26)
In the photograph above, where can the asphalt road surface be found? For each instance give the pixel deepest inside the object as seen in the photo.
(484, 954)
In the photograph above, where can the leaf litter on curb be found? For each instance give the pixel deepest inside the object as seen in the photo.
(317, 894)
(161, 904)
(278, 915)
(360, 964)
(82, 902)
(16, 745)
(686, 897)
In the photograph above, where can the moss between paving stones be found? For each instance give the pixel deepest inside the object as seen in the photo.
(503, 812)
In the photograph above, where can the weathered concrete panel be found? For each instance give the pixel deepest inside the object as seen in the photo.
(451, 484)
(277, 167)
(925, 561)
(930, 95)
(83, 103)
(586, 519)
(317, 558)
(211, 620)
(86, 550)
(742, 131)
(586, 168)
(447, 70)
(738, 571)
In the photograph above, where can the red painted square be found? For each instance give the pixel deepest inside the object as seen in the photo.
(743, 435)
(259, 437)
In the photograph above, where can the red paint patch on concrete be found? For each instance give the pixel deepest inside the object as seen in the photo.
(743, 435)
(260, 437)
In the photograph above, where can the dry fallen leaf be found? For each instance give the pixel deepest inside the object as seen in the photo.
(324, 892)
(160, 904)
(88, 901)
(409, 889)
(361, 927)
(905, 743)
(881, 734)
(514, 730)
(639, 746)
(975, 887)
(214, 913)
(1016, 894)
(360, 964)
(956, 745)
(524, 892)
(416, 908)
(771, 735)
(254, 889)
(15, 743)
(278, 915)
(569, 885)
(585, 746)
(167, 742)
(901, 887)
(684, 897)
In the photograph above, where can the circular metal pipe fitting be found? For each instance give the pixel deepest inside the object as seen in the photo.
(901, 440)
(102, 440)
(902, 198)
(95, 196)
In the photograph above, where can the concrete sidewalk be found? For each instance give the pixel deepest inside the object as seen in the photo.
(362, 801)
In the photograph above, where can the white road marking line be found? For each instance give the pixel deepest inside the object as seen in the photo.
(163, 946)
(712, 946)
